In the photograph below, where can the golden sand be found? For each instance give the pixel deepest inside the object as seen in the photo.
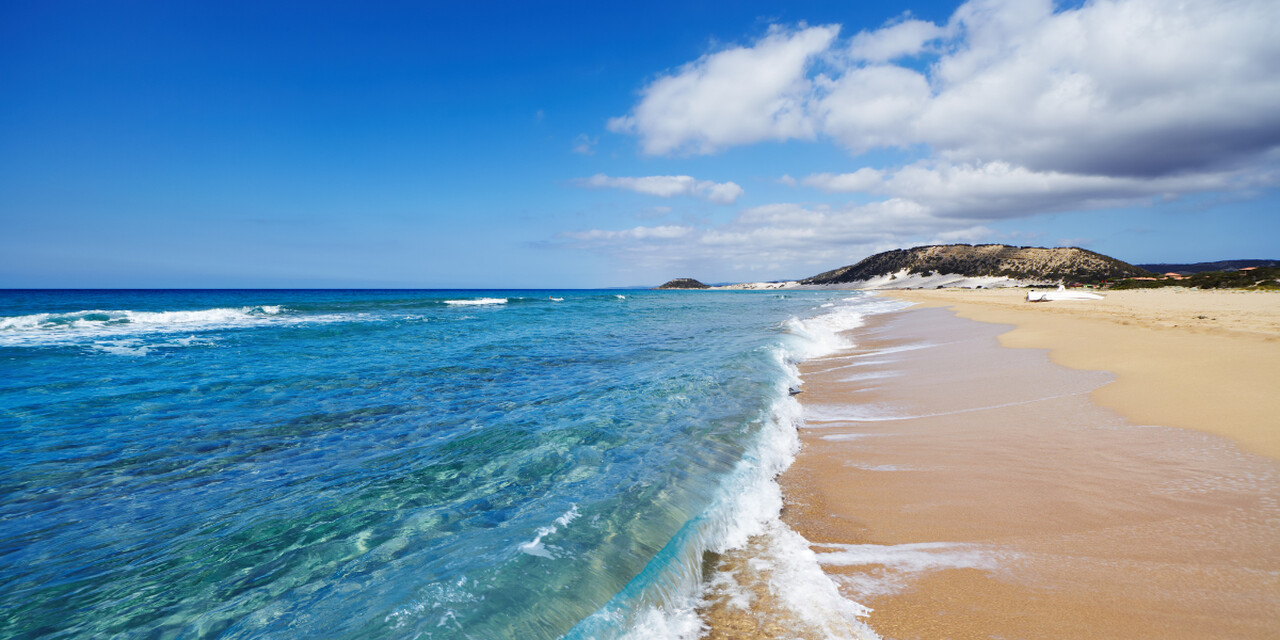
(964, 490)
(1207, 360)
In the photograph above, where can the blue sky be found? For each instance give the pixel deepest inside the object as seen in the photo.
(343, 144)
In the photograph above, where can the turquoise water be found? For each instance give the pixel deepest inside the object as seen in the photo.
(385, 464)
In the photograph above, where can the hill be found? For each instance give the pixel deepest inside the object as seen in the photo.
(683, 283)
(1243, 278)
(1038, 264)
(1187, 269)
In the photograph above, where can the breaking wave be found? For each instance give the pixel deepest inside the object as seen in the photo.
(119, 330)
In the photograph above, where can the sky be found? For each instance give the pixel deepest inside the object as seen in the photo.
(552, 144)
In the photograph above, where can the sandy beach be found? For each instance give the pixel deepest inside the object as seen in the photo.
(1207, 360)
(1117, 479)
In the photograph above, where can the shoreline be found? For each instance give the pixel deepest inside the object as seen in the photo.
(1204, 360)
(966, 490)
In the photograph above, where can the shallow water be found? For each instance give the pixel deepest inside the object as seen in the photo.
(389, 464)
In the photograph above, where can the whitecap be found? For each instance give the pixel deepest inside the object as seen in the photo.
(476, 301)
(535, 547)
(96, 325)
(747, 507)
(823, 334)
(130, 348)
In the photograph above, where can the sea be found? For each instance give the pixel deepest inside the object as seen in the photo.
(405, 464)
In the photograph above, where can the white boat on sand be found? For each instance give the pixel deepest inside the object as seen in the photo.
(1061, 294)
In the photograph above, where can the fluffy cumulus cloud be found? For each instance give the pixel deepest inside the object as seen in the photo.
(1011, 107)
(998, 190)
(906, 38)
(1116, 87)
(668, 186)
(779, 240)
(865, 179)
(923, 203)
(737, 96)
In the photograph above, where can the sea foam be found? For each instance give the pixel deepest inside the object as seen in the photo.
(476, 301)
(535, 547)
(892, 567)
(500, 477)
(62, 328)
(665, 601)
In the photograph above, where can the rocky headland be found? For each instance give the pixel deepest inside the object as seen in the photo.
(997, 264)
(683, 283)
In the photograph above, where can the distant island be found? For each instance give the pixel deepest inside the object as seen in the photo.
(684, 283)
(999, 265)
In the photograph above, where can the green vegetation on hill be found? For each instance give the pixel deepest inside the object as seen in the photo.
(1061, 264)
(683, 283)
(1255, 278)
(1188, 268)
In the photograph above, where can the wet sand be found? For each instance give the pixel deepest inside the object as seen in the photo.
(965, 490)
(1207, 360)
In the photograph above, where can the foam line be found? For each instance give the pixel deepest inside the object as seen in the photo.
(476, 302)
(813, 414)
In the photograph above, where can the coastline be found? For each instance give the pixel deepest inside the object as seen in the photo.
(1204, 360)
(961, 489)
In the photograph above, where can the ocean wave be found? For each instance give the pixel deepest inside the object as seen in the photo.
(535, 547)
(822, 334)
(672, 597)
(522, 532)
(117, 331)
(662, 603)
(476, 301)
(102, 318)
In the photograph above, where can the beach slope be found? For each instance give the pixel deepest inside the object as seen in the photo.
(1206, 360)
(962, 489)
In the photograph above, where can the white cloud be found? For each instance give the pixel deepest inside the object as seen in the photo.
(1121, 87)
(668, 186)
(923, 203)
(585, 144)
(1017, 108)
(906, 38)
(997, 190)
(779, 240)
(865, 179)
(873, 106)
(664, 232)
(732, 97)
(1115, 87)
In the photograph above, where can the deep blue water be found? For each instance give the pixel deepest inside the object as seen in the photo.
(374, 464)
